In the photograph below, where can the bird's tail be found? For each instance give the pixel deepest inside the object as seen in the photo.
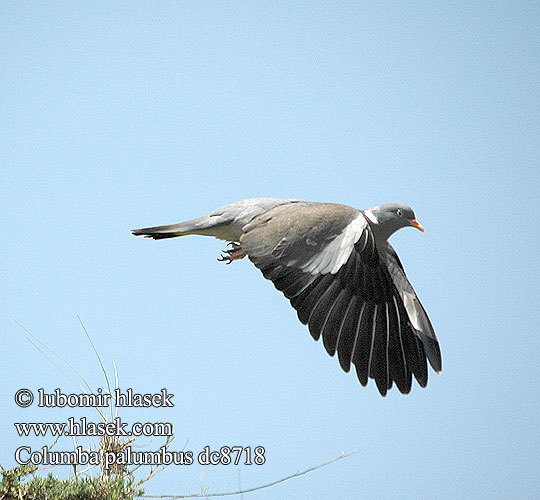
(202, 225)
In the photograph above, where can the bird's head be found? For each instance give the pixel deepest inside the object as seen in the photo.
(387, 219)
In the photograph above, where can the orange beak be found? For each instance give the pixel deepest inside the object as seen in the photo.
(416, 224)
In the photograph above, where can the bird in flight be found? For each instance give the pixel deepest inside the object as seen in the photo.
(346, 282)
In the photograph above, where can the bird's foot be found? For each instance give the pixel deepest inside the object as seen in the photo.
(234, 253)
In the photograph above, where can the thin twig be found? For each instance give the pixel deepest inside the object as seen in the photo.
(240, 482)
(249, 490)
(55, 354)
(72, 368)
(97, 355)
(116, 386)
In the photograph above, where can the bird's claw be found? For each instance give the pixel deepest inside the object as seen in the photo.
(233, 253)
(224, 258)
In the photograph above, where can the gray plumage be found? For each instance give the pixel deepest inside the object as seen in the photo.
(225, 223)
(346, 282)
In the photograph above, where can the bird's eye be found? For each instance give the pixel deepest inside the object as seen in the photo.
(399, 212)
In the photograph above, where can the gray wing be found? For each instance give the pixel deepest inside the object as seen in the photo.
(225, 223)
(415, 310)
(324, 259)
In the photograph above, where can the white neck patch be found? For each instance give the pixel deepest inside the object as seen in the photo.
(369, 214)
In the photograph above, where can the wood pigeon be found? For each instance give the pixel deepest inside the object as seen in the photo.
(346, 282)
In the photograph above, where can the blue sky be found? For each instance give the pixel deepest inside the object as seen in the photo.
(117, 116)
